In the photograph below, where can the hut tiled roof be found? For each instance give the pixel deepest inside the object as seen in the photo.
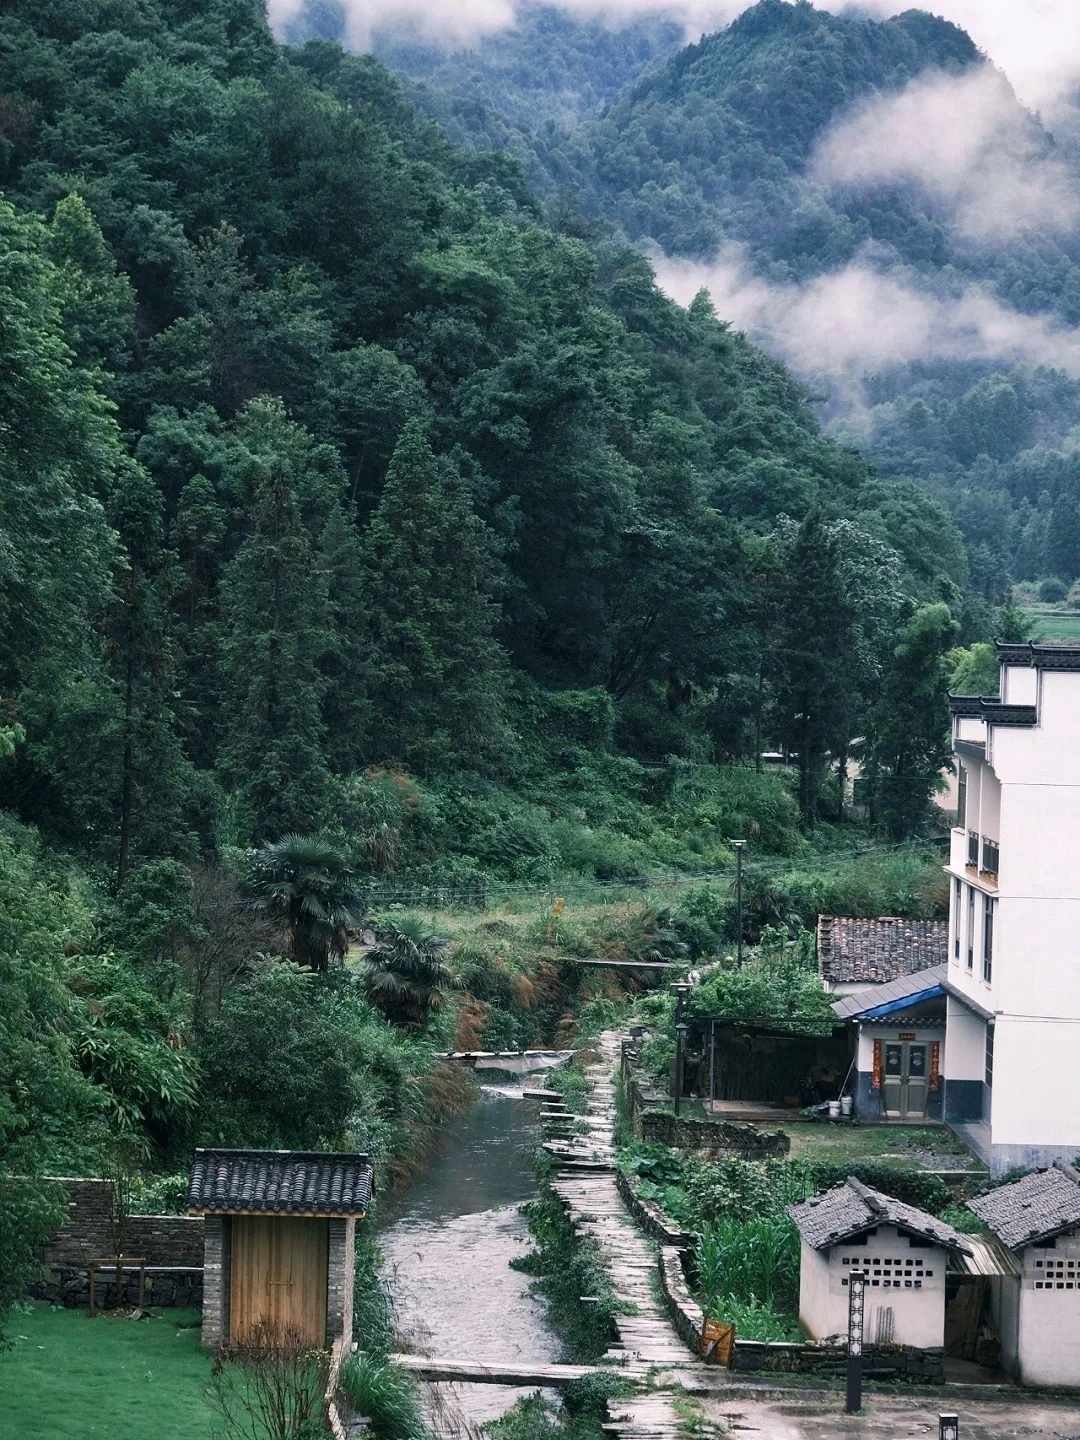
(282, 1182)
(852, 1208)
(853, 951)
(1033, 1208)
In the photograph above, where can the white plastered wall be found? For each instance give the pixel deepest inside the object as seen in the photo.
(908, 1280)
(965, 1054)
(1048, 1324)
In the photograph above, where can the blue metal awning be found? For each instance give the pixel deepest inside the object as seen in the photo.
(905, 1003)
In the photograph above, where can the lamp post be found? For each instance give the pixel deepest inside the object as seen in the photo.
(680, 1039)
(712, 1064)
(739, 846)
(856, 1299)
(948, 1427)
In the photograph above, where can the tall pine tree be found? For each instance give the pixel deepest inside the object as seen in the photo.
(277, 631)
(436, 671)
(816, 659)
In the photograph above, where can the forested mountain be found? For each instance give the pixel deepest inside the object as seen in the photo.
(723, 151)
(323, 453)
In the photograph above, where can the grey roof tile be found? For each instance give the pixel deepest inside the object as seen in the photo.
(852, 1208)
(855, 951)
(892, 990)
(280, 1182)
(1033, 1208)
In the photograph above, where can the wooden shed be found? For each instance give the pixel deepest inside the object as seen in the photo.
(280, 1241)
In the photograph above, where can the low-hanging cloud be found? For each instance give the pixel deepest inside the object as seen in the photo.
(966, 144)
(1036, 42)
(841, 327)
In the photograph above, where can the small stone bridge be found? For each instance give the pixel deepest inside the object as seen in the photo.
(509, 1062)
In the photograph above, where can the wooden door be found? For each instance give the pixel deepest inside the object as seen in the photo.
(278, 1275)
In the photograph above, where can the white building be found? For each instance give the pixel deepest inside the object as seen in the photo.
(1012, 1057)
(902, 1251)
(1004, 1064)
(1037, 1310)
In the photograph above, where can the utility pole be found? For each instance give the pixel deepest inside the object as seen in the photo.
(856, 1299)
(739, 846)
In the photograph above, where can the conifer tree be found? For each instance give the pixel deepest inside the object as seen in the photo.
(816, 658)
(277, 629)
(436, 671)
(911, 743)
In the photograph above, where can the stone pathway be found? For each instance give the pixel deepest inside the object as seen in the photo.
(648, 1342)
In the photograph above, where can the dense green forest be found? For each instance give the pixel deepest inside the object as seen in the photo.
(702, 148)
(365, 530)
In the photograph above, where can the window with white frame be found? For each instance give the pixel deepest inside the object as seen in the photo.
(970, 928)
(988, 938)
(958, 917)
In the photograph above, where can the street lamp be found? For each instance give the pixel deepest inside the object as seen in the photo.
(739, 846)
(681, 1030)
(948, 1427)
(856, 1298)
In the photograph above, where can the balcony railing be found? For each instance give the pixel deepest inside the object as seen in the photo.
(990, 857)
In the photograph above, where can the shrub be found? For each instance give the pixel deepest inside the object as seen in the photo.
(272, 1386)
(385, 1394)
(1052, 590)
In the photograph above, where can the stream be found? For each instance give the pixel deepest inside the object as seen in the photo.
(447, 1254)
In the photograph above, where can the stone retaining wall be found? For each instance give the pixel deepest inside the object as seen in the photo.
(70, 1286)
(711, 1139)
(650, 1217)
(925, 1367)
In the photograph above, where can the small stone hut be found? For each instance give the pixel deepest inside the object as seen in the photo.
(280, 1240)
(1037, 1311)
(902, 1251)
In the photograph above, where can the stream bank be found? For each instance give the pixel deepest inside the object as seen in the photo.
(447, 1253)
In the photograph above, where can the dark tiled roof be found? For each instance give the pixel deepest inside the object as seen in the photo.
(870, 952)
(852, 1208)
(1031, 1209)
(280, 1182)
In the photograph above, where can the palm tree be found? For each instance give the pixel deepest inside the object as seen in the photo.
(406, 972)
(306, 886)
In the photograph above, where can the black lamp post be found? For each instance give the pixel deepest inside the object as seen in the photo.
(680, 1040)
(948, 1427)
(680, 989)
(856, 1298)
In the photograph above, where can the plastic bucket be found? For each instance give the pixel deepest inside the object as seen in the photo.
(834, 1109)
(845, 1104)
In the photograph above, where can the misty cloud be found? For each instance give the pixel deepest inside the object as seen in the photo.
(1036, 42)
(841, 327)
(968, 146)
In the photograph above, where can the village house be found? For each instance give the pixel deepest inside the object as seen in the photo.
(279, 1243)
(986, 1040)
(904, 1253)
(1037, 1309)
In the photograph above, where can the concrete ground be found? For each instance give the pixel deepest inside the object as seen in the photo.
(819, 1415)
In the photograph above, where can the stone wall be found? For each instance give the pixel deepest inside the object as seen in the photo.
(649, 1119)
(160, 1240)
(69, 1286)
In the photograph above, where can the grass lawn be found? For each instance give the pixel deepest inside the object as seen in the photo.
(906, 1146)
(68, 1377)
(1054, 624)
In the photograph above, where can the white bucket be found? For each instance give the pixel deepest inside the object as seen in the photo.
(845, 1104)
(834, 1109)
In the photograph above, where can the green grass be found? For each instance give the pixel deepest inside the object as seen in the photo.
(1055, 624)
(905, 1146)
(72, 1377)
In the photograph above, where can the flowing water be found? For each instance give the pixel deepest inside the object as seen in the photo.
(448, 1253)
